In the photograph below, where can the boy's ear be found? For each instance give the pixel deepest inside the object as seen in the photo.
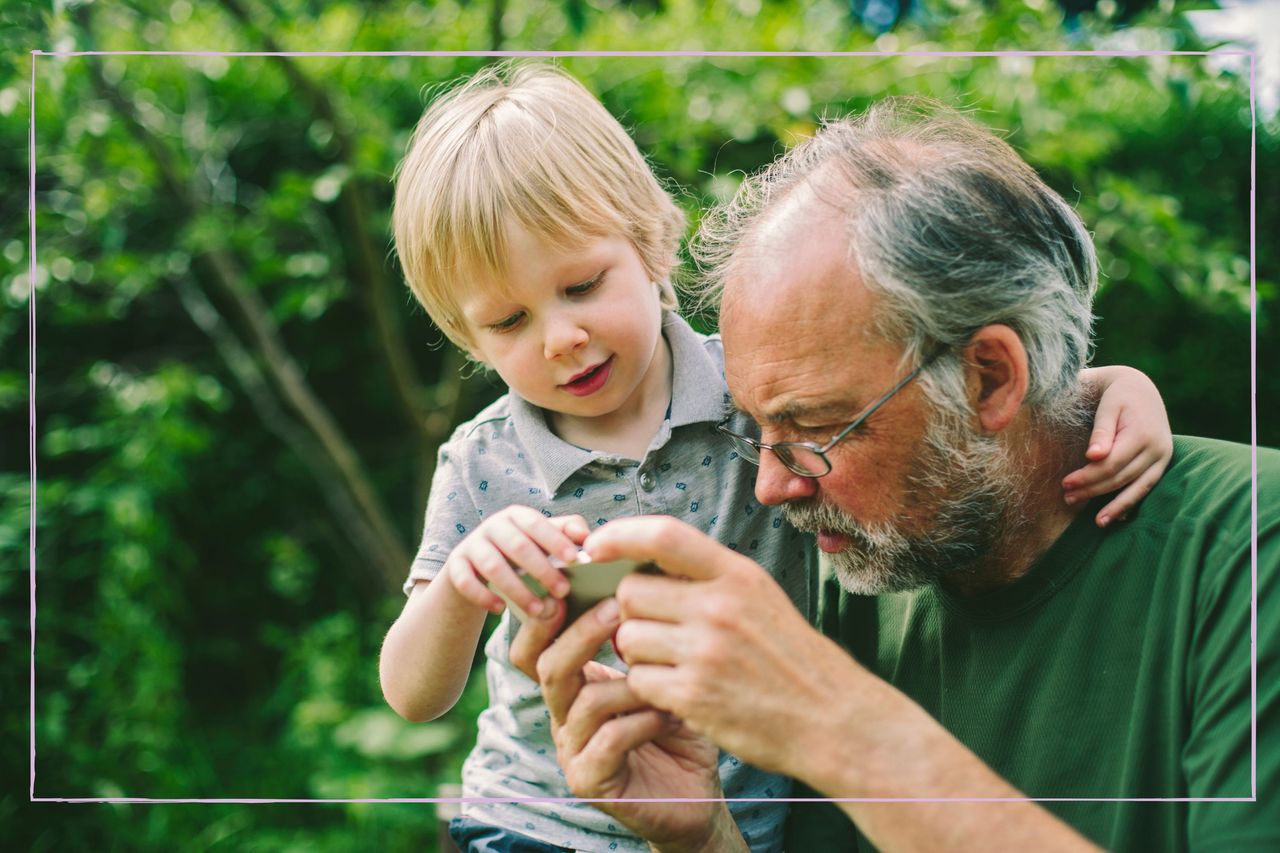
(997, 375)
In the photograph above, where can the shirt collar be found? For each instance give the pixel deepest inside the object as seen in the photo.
(692, 401)
(698, 390)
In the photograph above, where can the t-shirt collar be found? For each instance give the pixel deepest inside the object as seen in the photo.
(1051, 571)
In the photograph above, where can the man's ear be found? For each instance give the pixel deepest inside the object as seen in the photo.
(997, 375)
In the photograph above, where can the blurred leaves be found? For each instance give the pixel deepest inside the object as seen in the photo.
(380, 733)
(209, 615)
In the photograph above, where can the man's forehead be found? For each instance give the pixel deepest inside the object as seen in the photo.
(797, 280)
(796, 317)
(780, 273)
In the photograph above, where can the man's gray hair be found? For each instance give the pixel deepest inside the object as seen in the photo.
(950, 228)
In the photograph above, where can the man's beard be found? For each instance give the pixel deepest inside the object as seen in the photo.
(961, 494)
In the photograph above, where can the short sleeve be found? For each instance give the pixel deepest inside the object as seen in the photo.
(451, 514)
(1218, 756)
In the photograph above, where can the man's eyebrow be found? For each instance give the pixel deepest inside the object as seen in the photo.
(789, 412)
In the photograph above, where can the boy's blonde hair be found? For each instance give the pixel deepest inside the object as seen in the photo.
(521, 144)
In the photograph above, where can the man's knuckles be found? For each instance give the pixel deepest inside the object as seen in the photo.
(723, 609)
(551, 669)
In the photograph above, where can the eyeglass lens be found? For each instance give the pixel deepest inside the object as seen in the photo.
(745, 449)
(801, 460)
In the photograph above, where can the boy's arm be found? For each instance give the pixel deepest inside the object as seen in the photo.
(1131, 443)
(427, 654)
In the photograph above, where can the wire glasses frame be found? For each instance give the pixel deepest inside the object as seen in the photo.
(807, 458)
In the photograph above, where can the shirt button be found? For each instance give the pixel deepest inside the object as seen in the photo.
(648, 481)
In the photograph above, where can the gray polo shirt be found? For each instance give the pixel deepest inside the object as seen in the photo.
(507, 455)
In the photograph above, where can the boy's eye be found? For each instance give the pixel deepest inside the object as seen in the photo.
(506, 324)
(586, 287)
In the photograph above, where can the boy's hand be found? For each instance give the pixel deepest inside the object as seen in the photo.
(515, 538)
(1130, 447)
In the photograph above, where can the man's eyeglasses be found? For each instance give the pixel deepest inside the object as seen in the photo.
(807, 458)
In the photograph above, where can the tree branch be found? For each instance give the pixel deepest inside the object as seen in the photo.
(363, 260)
(392, 556)
(255, 386)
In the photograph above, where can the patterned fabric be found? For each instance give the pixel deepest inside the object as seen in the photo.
(472, 836)
(508, 455)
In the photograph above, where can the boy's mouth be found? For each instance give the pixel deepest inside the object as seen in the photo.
(590, 380)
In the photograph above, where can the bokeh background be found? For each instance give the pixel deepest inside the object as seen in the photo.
(238, 404)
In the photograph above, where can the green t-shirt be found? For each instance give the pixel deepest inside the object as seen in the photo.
(1117, 667)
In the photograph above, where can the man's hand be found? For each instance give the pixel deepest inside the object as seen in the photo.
(727, 652)
(612, 745)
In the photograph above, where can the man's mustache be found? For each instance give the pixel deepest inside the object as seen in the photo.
(812, 517)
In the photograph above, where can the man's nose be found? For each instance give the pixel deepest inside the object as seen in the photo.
(564, 334)
(776, 484)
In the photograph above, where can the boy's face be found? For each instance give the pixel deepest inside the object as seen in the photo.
(576, 332)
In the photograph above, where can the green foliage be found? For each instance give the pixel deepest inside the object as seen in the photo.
(211, 594)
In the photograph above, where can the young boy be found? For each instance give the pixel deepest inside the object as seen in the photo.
(535, 235)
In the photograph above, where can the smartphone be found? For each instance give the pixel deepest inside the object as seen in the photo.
(589, 583)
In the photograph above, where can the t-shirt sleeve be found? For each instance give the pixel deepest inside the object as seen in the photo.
(1218, 755)
(451, 514)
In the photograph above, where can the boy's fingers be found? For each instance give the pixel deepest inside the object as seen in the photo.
(1078, 478)
(1083, 482)
(1105, 423)
(1130, 496)
(492, 565)
(464, 580)
(521, 547)
(1126, 475)
(1112, 473)
(573, 526)
(1122, 452)
(534, 636)
(548, 534)
(540, 538)
(522, 551)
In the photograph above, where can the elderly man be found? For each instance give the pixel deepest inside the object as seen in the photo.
(905, 307)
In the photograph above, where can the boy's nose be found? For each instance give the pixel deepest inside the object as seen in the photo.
(563, 337)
